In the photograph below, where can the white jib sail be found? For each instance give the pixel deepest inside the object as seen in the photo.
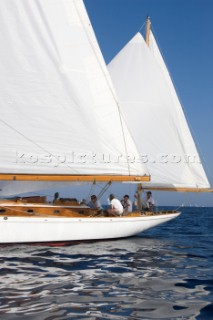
(58, 111)
(154, 115)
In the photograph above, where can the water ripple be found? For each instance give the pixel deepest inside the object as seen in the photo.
(146, 277)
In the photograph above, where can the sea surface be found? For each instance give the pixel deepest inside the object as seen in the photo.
(164, 273)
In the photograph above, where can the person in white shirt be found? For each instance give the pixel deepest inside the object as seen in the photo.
(149, 201)
(116, 206)
(127, 205)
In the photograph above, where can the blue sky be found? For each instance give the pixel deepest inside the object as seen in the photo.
(184, 31)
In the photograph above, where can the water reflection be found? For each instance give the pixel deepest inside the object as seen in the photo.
(144, 277)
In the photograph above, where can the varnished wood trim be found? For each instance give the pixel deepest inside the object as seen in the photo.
(180, 189)
(78, 178)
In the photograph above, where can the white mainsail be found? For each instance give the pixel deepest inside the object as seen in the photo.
(59, 114)
(154, 115)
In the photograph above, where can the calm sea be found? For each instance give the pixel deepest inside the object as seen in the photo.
(165, 273)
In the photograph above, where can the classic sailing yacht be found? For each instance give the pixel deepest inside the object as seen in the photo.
(155, 118)
(60, 123)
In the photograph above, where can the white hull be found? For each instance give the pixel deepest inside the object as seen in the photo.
(54, 229)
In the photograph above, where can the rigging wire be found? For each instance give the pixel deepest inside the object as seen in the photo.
(143, 25)
(91, 191)
(104, 189)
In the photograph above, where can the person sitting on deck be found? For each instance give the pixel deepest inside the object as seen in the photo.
(116, 206)
(95, 203)
(127, 205)
(56, 197)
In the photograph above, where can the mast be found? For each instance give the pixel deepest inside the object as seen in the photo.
(148, 27)
(140, 188)
(139, 191)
